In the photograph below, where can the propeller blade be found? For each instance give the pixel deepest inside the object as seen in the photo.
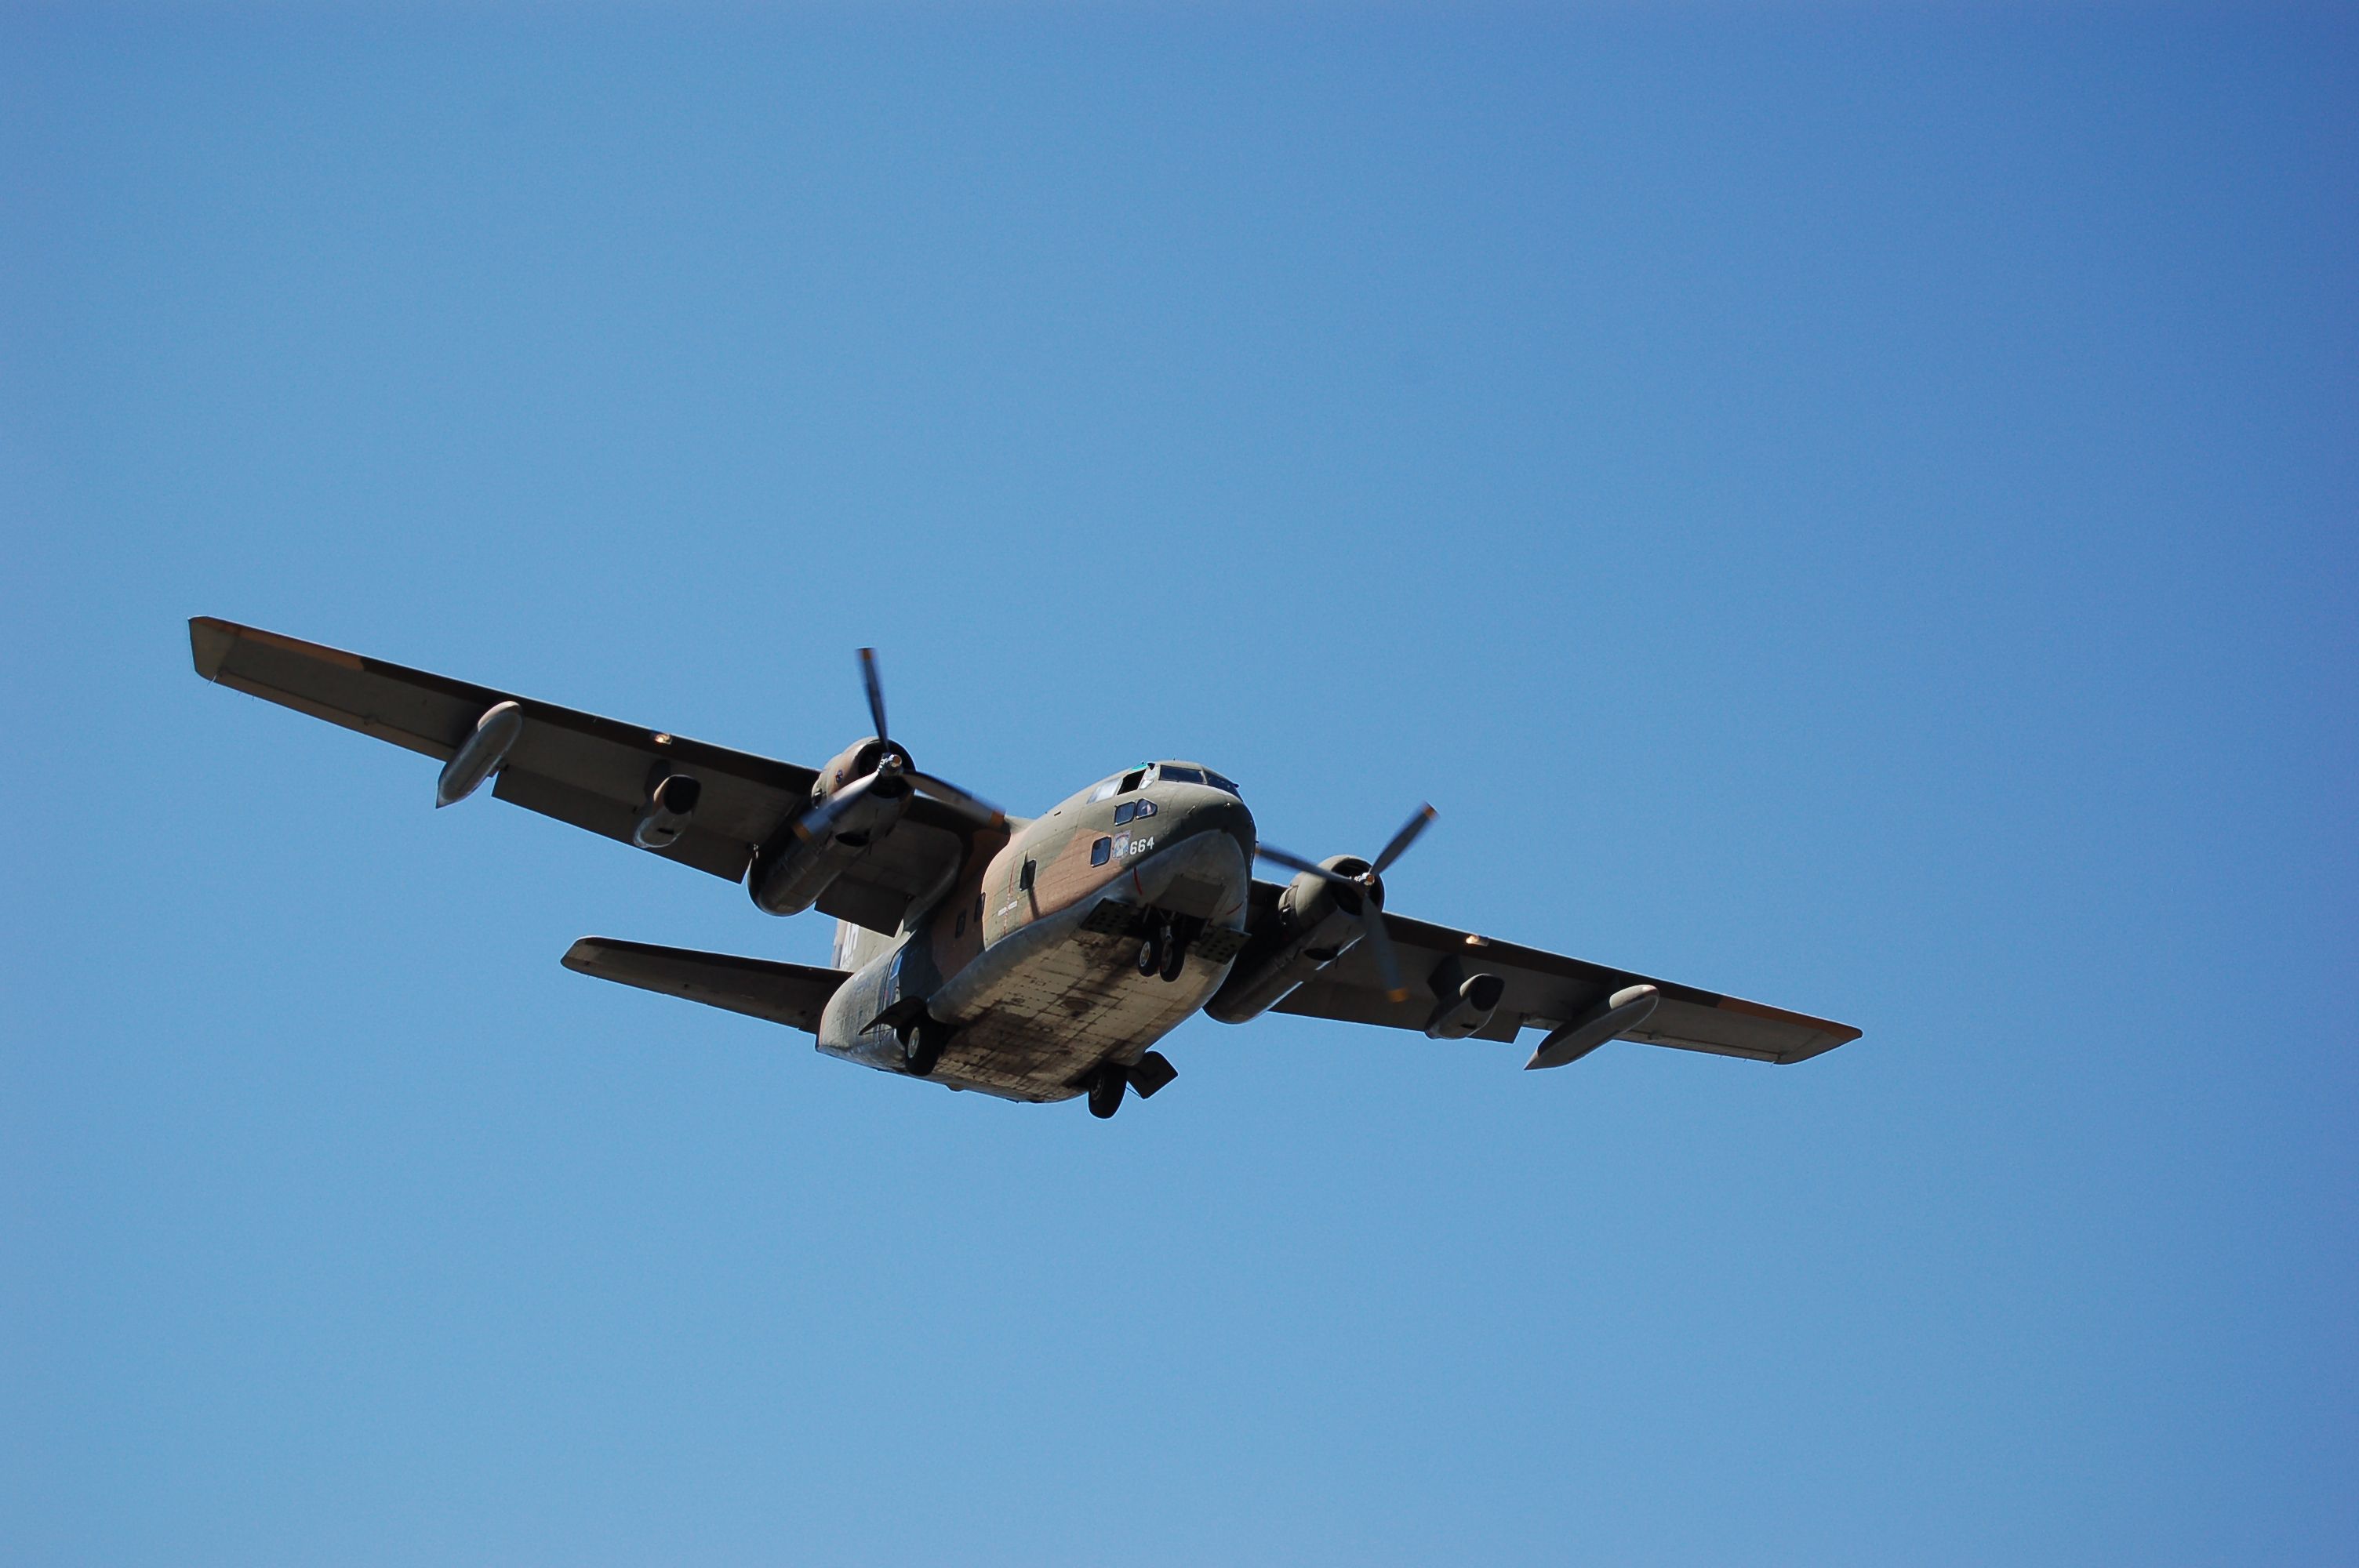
(951, 794)
(875, 691)
(1380, 947)
(1404, 838)
(1297, 863)
(822, 818)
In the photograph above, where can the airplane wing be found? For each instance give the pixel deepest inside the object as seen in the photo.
(791, 994)
(591, 772)
(1543, 991)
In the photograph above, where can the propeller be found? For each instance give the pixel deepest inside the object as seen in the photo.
(897, 759)
(1368, 886)
(875, 685)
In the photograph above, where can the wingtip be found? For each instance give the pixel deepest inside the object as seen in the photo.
(582, 956)
(209, 644)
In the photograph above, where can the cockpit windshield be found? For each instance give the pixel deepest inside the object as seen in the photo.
(1161, 773)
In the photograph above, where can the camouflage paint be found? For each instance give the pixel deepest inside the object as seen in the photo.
(1054, 1016)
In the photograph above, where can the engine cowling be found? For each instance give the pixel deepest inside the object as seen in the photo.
(1316, 923)
(857, 799)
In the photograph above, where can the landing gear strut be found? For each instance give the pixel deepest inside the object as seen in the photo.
(1106, 1090)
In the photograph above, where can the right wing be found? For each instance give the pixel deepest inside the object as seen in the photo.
(591, 772)
(791, 994)
(1545, 989)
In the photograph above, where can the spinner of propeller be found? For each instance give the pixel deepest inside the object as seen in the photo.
(1369, 890)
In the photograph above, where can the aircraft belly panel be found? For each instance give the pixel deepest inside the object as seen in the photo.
(1070, 1008)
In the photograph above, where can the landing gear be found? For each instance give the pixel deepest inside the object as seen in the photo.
(1106, 1090)
(1175, 950)
(921, 1047)
(1164, 950)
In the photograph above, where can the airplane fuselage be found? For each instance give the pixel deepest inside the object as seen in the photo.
(1030, 959)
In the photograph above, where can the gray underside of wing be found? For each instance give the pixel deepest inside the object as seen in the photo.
(1544, 989)
(791, 994)
(591, 772)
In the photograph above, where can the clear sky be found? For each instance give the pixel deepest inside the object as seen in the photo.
(1847, 507)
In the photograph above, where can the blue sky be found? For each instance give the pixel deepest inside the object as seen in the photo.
(1848, 506)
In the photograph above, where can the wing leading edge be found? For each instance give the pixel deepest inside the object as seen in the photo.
(1545, 989)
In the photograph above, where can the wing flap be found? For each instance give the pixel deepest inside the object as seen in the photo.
(791, 994)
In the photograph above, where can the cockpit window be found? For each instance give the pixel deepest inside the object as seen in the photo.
(1131, 781)
(1172, 772)
(1217, 782)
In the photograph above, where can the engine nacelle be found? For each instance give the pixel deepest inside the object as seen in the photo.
(850, 811)
(854, 763)
(1313, 927)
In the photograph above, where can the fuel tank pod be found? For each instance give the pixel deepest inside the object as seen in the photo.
(1626, 1009)
(479, 756)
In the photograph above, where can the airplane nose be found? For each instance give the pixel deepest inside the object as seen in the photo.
(1222, 813)
(1206, 850)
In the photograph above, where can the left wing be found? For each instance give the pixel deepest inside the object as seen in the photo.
(591, 772)
(1544, 989)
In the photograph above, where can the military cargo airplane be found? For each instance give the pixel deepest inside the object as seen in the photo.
(1036, 960)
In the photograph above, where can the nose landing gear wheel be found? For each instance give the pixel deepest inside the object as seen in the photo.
(1151, 951)
(1105, 1091)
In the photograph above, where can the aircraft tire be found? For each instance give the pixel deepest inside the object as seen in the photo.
(1150, 951)
(1105, 1091)
(922, 1052)
(1175, 954)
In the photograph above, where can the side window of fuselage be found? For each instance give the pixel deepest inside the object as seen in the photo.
(1101, 851)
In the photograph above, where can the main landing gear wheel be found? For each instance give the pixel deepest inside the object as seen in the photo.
(921, 1048)
(1175, 950)
(1105, 1091)
(1164, 950)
